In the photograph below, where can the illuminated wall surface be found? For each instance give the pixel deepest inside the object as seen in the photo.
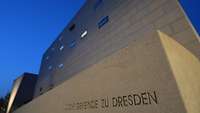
(121, 56)
(15, 88)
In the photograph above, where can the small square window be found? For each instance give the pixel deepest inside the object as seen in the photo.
(60, 38)
(72, 44)
(103, 21)
(60, 65)
(50, 67)
(61, 48)
(47, 58)
(84, 34)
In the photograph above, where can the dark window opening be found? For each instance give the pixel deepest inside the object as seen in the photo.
(103, 21)
(51, 86)
(72, 27)
(41, 89)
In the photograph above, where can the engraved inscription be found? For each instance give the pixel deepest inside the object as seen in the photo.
(135, 99)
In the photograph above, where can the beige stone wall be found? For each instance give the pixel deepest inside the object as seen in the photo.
(185, 66)
(136, 53)
(129, 20)
(140, 67)
(153, 65)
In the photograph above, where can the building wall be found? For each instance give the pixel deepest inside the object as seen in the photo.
(185, 67)
(26, 90)
(22, 92)
(16, 85)
(129, 20)
(147, 76)
(147, 54)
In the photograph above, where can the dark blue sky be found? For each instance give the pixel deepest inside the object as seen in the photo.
(28, 27)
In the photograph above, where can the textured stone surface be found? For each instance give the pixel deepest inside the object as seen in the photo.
(126, 55)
